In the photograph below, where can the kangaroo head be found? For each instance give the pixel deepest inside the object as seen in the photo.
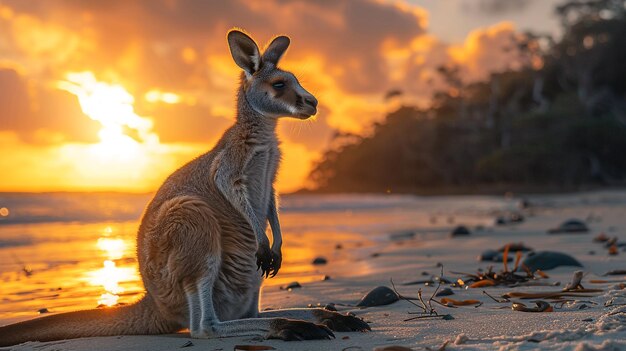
(269, 90)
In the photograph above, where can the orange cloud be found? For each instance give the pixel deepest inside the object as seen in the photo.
(172, 58)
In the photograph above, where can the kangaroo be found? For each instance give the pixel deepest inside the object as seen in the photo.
(201, 245)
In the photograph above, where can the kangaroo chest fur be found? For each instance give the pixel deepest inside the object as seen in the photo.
(260, 173)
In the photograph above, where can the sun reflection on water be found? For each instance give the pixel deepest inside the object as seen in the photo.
(110, 275)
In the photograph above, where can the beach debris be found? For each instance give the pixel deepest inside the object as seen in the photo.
(550, 294)
(325, 277)
(576, 282)
(541, 306)
(291, 286)
(601, 238)
(570, 226)
(187, 344)
(338, 247)
(253, 348)
(616, 272)
(460, 231)
(402, 235)
(613, 250)
(444, 292)
(43, 310)
(546, 260)
(451, 302)
(461, 339)
(379, 296)
(320, 261)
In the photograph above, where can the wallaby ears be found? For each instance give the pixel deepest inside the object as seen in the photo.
(276, 49)
(244, 50)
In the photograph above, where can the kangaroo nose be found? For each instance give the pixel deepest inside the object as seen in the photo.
(311, 100)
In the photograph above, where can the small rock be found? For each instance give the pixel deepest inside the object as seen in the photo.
(570, 226)
(330, 307)
(43, 310)
(460, 231)
(445, 292)
(403, 235)
(514, 247)
(326, 277)
(320, 261)
(587, 320)
(378, 296)
(338, 247)
(493, 256)
(292, 285)
(546, 260)
(187, 344)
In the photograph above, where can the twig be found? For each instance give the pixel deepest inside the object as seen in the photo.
(494, 299)
(403, 297)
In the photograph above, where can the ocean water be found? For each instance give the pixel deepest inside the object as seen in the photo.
(67, 251)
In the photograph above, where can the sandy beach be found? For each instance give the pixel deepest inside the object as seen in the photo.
(368, 241)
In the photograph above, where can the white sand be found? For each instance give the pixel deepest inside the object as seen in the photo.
(492, 326)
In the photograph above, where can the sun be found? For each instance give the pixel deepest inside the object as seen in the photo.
(123, 131)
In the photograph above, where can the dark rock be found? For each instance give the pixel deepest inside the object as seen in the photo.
(330, 307)
(488, 255)
(292, 285)
(320, 261)
(43, 310)
(493, 256)
(379, 296)
(460, 231)
(514, 247)
(403, 235)
(510, 218)
(338, 247)
(570, 226)
(326, 277)
(445, 292)
(546, 260)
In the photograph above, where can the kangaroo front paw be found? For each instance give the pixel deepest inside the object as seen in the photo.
(277, 259)
(289, 330)
(340, 322)
(264, 259)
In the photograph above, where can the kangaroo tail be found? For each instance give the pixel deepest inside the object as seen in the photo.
(139, 318)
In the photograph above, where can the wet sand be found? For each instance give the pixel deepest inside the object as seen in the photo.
(379, 241)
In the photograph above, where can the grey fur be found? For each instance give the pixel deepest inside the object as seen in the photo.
(201, 245)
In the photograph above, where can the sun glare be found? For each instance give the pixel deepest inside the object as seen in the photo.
(110, 275)
(123, 131)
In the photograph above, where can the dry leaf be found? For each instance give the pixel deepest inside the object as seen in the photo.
(446, 301)
(482, 283)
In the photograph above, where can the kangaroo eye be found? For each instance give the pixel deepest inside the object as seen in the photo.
(279, 85)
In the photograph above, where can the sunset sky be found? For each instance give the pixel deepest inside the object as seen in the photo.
(116, 94)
